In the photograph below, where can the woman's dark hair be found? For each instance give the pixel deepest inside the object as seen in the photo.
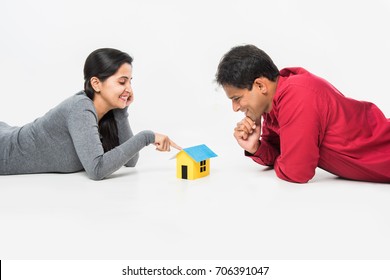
(242, 65)
(103, 63)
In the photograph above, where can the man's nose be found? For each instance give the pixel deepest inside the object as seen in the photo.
(236, 106)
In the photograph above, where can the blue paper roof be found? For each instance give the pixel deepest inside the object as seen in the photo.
(200, 152)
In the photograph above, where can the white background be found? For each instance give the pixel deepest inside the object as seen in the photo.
(241, 211)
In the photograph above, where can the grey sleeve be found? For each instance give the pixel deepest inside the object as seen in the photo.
(83, 128)
(125, 132)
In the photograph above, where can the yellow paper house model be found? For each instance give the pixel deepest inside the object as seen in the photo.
(194, 162)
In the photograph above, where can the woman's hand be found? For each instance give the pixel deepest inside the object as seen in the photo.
(130, 99)
(163, 143)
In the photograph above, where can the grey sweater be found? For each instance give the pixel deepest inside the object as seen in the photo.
(66, 139)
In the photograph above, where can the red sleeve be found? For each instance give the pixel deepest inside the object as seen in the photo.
(299, 134)
(269, 148)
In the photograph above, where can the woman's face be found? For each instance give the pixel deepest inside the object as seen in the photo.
(116, 90)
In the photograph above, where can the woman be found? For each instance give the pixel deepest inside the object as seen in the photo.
(89, 130)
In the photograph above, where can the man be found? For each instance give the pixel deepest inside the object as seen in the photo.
(307, 122)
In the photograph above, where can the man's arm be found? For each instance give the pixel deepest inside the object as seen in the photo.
(294, 153)
(299, 131)
(264, 151)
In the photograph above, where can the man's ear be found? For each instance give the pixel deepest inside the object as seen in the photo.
(262, 85)
(95, 83)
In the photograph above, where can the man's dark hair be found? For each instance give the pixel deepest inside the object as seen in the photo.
(242, 65)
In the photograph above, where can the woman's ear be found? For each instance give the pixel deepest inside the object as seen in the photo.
(95, 83)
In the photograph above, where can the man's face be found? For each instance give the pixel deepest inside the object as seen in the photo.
(253, 103)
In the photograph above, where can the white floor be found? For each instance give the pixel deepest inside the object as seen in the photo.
(240, 211)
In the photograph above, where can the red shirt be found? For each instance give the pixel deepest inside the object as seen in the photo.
(312, 124)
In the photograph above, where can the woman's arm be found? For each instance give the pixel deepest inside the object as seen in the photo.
(83, 128)
(125, 132)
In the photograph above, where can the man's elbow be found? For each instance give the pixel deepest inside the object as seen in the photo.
(294, 180)
(295, 176)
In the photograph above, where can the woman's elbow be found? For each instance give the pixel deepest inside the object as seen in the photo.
(133, 161)
(95, 177)
(95, 174)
